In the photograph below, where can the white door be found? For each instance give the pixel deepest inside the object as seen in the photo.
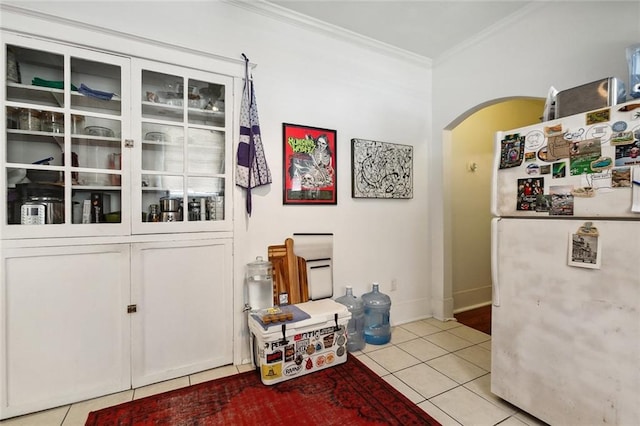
(64, 325)
(566, 339)
(183, 323)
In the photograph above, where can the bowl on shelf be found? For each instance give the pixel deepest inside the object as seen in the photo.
(43, 175)
(113, 217)
(156, 137)
(99, 131)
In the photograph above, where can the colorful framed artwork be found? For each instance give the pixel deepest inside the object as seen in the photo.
(381, 170)
(309, 165)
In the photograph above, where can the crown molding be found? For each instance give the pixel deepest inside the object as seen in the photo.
(107, 32)
(514, 18)
(282, 14)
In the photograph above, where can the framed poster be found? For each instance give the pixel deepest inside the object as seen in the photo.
(309, 165)
(381, 170)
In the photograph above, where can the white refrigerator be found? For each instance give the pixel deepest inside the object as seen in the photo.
(566, 268)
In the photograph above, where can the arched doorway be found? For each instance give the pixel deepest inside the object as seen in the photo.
(467, 172)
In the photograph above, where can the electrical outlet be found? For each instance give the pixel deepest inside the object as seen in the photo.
(394, 284)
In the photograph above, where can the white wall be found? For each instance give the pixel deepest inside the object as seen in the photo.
(308, 78)
(560, 44)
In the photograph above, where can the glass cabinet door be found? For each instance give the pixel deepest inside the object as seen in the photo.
(64, 125)
(184, 133)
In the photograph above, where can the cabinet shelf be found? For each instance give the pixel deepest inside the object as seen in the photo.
(96, 188)
(55, 97)
(176, 113)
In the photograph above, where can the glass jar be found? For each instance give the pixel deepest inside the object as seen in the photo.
(77, 124)
(13, 116)
(154, 213)
(52, 122)
(259, 284)
(29, 119)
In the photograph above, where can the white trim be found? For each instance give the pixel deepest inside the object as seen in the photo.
(469, 308)
(485, 33)
(312, 24)
(124, 49)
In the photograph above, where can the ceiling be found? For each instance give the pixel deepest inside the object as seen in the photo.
(428, 28)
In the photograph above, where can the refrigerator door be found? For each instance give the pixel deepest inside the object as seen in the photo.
(566, 339)
(591, 160)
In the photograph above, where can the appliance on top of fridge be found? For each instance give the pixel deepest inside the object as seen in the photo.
(566, 268)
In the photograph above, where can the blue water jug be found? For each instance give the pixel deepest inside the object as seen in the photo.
(377, 307)
(355, 326)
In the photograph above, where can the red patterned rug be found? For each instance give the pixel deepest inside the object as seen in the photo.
(347, 394)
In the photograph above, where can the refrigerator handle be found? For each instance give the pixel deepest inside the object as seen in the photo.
(494, 262)
(494, 174)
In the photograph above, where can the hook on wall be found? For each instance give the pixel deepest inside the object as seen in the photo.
(472, 166)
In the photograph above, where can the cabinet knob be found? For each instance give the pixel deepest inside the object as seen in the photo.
(132, 309)
(128, 143)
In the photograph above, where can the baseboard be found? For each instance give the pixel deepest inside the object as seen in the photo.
(469, 308)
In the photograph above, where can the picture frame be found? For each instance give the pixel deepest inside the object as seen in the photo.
(309, 165)
(381, 170)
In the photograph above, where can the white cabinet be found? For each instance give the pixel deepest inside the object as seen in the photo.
(65, 329)
(115, 223)
(63, 147)
(183, 137)
(94, 142)
(181, 325)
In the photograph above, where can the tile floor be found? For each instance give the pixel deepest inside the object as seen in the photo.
(444, 367)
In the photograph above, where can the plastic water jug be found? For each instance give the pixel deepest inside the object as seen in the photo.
(355, 326)
(259, 285)
(377, 307)
(633, 57)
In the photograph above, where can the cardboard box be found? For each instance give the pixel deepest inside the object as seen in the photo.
(315, 339)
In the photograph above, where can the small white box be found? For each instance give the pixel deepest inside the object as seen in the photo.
(315, 339)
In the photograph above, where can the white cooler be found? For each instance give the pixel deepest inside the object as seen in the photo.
(315, 339)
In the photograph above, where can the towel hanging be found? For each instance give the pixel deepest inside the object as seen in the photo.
(251, 166)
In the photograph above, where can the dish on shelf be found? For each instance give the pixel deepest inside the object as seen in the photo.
(15, 175)
(99, 131)
(156, 137)
(43, 175)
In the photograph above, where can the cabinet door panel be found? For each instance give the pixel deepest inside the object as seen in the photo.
(185, 134)
(183, 324)
(64, 325)
(67, 114)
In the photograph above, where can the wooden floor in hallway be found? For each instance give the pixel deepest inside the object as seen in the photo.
(479, 318)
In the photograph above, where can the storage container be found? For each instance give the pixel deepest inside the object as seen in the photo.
(315, 339)
(355, 327)
(377, 312)
(259, 284)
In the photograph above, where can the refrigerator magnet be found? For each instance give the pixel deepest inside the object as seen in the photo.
(621, 177)
(582, 154)
(583, 192)
(558, 147)
(584, 251)
(587, 229)
(561, 200)
(553, 130)
(600, 116)
(601, 164)
(600, 131)
(534, 140)
(511, 151)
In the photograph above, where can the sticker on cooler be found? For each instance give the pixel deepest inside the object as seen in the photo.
(270, 372)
